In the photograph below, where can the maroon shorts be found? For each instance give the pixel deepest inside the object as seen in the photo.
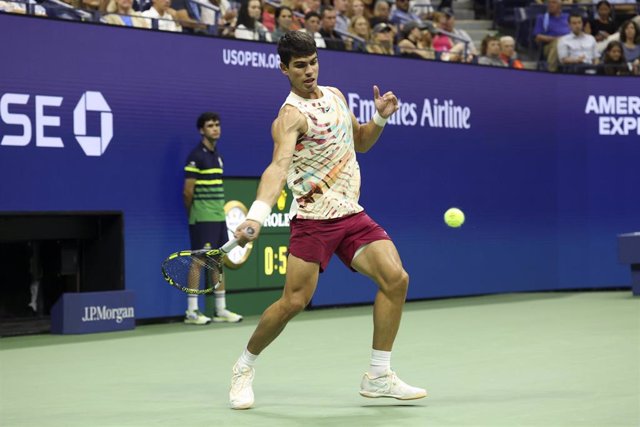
(316, 240)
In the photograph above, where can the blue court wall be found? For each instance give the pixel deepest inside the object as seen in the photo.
(544, 192)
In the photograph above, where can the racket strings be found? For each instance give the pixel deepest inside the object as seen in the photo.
(186, 271)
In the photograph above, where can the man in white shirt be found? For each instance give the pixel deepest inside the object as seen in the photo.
(577, 47)
(160, 11)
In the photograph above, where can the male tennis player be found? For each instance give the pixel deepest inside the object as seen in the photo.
(316, 138)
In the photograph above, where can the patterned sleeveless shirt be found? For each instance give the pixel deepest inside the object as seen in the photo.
(324, 175)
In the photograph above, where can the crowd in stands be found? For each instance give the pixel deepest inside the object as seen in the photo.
(574, 41)
(592, 38)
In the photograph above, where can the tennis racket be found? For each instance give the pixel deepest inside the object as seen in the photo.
(182, 269)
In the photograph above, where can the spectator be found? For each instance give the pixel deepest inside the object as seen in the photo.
(284, 17)
(441, 42)
(549, 27)
(577, 47)
(95, 7)
(602, 26)
(312, 26)
(359, 27)
(327, 30)
(449, 25)
(426, 40)
(356, 8)
(368, 9)
(409, 44)
(188, 16)
(226, 16)
(268, 18)
(381, 40)
(20, 7)
(402, 16)
(342, 21)
(120, 12)
(630, 39)
(490, 52)
(249, 26)
(160, 11)
(614, 62)
(298, 8)
(314, 6)
(508, 53)
(422, 8)
(381, 13)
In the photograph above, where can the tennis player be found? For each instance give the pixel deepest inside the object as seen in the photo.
(316, 138)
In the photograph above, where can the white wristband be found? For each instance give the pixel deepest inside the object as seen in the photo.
(259, 211)
(379, 120)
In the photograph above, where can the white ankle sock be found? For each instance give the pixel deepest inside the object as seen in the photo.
(192, 302)
(221, 302)
(247, 358)
(380, 363)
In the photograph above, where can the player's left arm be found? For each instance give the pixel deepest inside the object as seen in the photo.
(365, 135)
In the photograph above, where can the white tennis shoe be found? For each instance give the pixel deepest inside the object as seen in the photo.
(241, 393)
(194, 317)
(226, 316)
(389, 385)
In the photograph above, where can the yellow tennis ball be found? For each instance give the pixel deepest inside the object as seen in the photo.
(454, 217)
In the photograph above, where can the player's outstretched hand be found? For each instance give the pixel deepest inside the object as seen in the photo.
(386, 104)
(247, 232)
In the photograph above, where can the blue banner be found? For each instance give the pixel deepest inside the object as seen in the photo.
(545, 166)
(90, 312)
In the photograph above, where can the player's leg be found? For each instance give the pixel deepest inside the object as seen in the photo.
(222, 313)
(300, 284)
(381, 262)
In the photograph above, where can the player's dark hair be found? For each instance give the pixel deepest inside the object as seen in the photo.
(295, 44)
(205, 117)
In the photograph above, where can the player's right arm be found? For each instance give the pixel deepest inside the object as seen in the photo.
(285, 130)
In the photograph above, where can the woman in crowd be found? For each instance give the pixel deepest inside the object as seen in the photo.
(602, 26)
(249, 26)
(409, 45)
(630, 39)
(613, 61)
(360, 28)
(284, 17)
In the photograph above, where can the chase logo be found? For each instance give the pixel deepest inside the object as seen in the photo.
(91, 145)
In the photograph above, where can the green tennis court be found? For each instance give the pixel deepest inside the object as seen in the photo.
(539, 359)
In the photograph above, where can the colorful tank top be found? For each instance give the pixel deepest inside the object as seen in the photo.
(324, 175)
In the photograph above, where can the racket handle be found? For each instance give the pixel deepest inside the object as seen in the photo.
(228, 247)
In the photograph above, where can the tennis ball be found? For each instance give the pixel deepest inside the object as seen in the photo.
(454, 217)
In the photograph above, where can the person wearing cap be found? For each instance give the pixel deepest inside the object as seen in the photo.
(449, 25)
(381, 40)
(409, 47)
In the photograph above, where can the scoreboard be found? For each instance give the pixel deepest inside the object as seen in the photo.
(264, 265)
